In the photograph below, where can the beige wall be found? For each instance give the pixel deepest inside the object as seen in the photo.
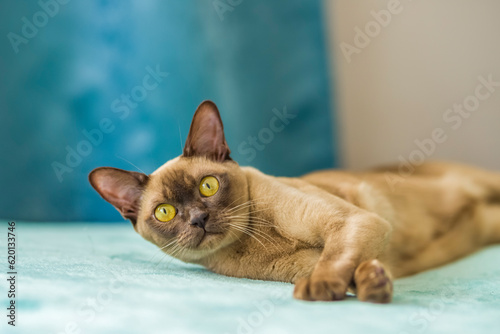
(398, 88)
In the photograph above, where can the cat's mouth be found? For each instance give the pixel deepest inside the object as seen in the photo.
(207, 236)
(204, 240)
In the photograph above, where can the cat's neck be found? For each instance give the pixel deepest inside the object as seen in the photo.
(264, 194)
(267, 245)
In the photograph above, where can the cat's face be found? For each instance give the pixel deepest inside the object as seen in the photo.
(194, 206)
(191, 206)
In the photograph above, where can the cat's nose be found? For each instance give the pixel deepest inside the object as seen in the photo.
(199, 219)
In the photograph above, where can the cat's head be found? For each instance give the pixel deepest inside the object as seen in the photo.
(191, 206)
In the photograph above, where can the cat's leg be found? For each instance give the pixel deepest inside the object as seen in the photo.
(373, 282)
(475, 230)
(362, 237)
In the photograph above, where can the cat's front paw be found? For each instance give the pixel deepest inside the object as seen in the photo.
(373, 282)
(320, 289)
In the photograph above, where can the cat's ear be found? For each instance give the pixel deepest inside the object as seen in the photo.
(121, 188)
(206, 135)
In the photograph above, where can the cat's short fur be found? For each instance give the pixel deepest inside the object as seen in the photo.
(327, 232)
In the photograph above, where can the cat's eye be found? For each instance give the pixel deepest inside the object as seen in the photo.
(165, 212)
(209, 186)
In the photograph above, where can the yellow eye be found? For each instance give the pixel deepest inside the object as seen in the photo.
(209, 186)
(165, 212)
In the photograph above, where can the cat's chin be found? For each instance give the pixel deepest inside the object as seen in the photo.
(209, 239)
(207, 242)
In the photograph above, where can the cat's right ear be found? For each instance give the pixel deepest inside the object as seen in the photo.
(121, 188)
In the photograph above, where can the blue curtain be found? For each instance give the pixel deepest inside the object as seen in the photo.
(97, 82)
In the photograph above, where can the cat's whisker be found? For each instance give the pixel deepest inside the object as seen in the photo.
(227, 228)
(250, 218)
(260, 233)
(231, 232)
(252, 236)
(180, 136)
(169, 244)
(172, 252)
(160, 249)
(241, 229)
(260, 201)
(227, 206)
(173, 255)
(161, 260)
(259, 210)
(247, 216)
(143, 172)
(267, 238)
(252, 223)
(241, 206)
(250, 212)
(244, 215)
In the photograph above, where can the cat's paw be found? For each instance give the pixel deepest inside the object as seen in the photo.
(373, 283)
(320, 289)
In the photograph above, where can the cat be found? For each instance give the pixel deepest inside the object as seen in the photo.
(328, 232)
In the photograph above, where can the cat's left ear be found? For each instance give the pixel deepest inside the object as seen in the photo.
(206, 135)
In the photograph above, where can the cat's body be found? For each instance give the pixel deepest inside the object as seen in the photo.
(326, 231)
(439, 213)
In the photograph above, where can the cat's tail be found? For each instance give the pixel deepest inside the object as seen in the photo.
(487, 216)
(488, 208)
(485, 181)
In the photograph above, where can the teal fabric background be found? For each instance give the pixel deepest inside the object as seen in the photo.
(109, 280)
(66, 71)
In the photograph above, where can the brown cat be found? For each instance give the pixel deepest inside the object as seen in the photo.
(327, 232)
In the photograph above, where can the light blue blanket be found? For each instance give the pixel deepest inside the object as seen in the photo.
(94, 278)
